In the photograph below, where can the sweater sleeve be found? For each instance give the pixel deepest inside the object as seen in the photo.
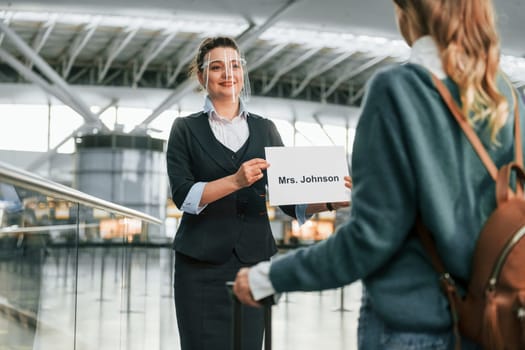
(383, 202)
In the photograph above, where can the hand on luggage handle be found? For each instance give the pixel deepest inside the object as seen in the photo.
(269, 300)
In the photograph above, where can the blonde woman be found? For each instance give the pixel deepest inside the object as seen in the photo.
(411, 158)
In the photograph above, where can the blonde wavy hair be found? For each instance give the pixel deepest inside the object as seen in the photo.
(465, 33)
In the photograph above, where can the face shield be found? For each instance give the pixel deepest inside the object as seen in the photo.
(227, 69)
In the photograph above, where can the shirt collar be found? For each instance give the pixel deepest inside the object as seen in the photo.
(425, 52)
(212, 113)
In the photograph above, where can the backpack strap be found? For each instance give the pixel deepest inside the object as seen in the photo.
(517, 142)
(473, 137)
(517, 134)
(447, 283)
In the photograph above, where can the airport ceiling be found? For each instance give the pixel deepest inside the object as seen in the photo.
(308, 50)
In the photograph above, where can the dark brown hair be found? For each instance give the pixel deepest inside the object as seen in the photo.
(206, 46)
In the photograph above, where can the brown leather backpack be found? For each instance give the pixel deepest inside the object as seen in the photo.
(492, 313)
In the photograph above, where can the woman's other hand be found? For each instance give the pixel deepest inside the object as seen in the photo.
(348, 182)
(337, 205)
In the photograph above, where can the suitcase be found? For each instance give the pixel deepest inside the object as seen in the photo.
(237, 320)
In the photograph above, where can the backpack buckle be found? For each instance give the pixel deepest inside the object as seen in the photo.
(521, 313)
(447, 279)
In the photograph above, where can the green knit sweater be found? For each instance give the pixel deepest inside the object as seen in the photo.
(409, 157)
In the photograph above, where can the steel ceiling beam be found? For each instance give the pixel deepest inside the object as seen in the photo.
(267, 56)
(80, 41)
(360, 93)
(6, 22)
(320, 69)
(296, 132)
(42, 36)
(116, 46)
(287, 66)
(153, 49)
(318, 121)
(353, 73)
(61, 85)
(187, 56)
(247, 39)
(31, 76)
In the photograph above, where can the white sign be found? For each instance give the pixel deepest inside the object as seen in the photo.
(302, 175)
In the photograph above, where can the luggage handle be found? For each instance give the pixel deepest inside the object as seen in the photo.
(237, 319)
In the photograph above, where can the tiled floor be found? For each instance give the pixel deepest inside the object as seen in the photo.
(124, 301)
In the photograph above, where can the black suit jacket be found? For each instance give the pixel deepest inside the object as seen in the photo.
(238, 222)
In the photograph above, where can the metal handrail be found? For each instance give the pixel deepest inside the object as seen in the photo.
(22, 178)
(44, 229)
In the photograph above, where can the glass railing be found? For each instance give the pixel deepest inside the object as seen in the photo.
(78, 272)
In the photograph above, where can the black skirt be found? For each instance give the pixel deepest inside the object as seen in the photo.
(204, 308)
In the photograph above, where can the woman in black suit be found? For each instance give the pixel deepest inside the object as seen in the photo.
(216, 167)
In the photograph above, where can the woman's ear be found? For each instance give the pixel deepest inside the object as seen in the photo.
(200, 76)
